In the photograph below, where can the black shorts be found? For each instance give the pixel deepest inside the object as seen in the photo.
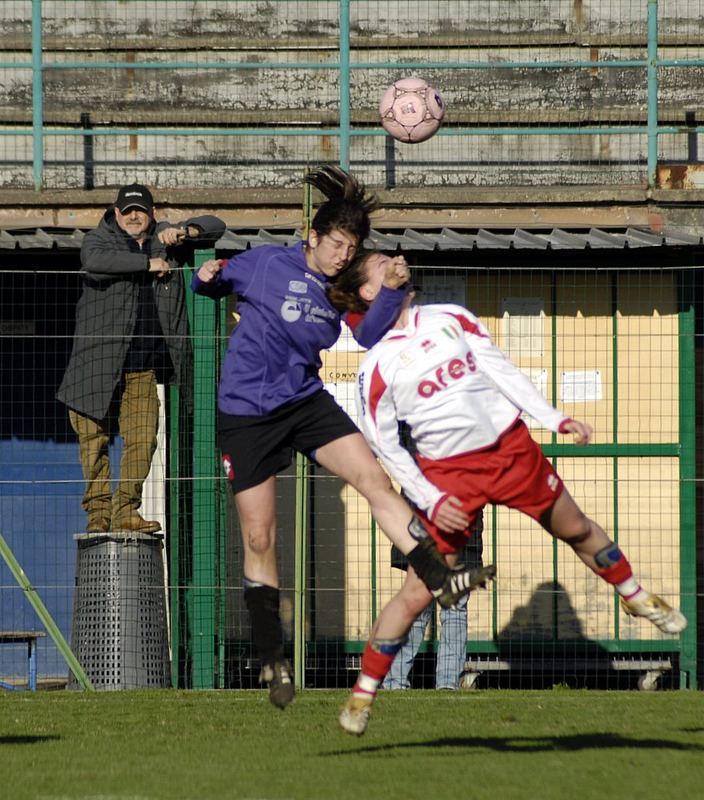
(255, 448)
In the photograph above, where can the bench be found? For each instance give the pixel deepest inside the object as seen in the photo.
(652, 669)
(30, 639)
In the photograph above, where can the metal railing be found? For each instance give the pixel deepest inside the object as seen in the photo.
(345, 65)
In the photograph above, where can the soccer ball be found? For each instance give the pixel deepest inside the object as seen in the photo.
(411, 110)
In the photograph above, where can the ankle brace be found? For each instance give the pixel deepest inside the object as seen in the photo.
(388, 647)
(428, 564)
(612, 565)
(609, 556)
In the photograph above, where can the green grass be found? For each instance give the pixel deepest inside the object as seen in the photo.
(502, 745)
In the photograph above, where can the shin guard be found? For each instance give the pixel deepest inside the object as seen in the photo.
(267, 634)
(612, 565)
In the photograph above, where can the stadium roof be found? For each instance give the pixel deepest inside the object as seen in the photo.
(447, 239)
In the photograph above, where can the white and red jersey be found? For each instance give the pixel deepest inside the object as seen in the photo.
(445, 378)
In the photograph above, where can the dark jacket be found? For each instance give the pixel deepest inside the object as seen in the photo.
(114, 270)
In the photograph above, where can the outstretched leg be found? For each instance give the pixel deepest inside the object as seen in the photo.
(397, 676)
(351, 459)
(566, 521)
(387, 638)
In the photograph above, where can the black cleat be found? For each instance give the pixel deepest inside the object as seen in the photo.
(280, 679)
(461, 582)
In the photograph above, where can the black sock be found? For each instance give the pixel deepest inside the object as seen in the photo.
(428, 564)
(267, 634)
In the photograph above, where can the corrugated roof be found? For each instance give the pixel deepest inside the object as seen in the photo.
(40, 239)
(409, 239)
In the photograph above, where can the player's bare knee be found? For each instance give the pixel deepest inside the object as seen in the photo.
(259, 540)
(575, 532)
(415, 597)
(374, 485)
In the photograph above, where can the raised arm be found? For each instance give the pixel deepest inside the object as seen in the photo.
(103, 258)
(211, 279)
(384, 310)
(516, 386)
(379, 424)
(196, 231)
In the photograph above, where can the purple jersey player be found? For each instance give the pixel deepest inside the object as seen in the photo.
(271, 401)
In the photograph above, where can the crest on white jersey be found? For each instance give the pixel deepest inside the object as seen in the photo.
(406, 359)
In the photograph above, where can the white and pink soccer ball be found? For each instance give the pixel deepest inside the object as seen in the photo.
(411, 110)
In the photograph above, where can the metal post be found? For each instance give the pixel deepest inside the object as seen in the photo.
(553, 439)
(176, 487)
(301, 573)
(688, 494)
(37, 98)
(302, 521)
(32, 668)
(201, 603)
(690, 118)
(345, 75)
(652, 92)
(390, 162)
(88, 163)
(222, 491)
(615, 287)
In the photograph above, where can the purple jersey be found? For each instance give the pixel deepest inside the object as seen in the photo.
(286, 319)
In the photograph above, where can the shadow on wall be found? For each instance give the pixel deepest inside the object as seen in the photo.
(544, 642)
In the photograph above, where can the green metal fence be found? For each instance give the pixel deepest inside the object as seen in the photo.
(553, 651)
(617, 471)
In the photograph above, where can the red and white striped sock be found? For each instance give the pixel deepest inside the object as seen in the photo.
(375, 666)
(620, 576)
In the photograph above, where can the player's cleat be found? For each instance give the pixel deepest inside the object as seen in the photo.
(280, 679)
(462, 581)
(655, 609)
(355, 714)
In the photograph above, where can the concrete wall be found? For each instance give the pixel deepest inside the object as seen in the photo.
(300, 33)
(139, 21)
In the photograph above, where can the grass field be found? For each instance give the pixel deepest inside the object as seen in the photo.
(144, 745)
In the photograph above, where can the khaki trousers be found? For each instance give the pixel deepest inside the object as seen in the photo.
(139, 424)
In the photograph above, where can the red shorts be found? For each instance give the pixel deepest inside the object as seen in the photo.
(513, 472)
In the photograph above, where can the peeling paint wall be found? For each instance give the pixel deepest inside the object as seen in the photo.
(210, 34)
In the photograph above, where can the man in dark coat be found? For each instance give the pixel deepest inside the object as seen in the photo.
(131, 329)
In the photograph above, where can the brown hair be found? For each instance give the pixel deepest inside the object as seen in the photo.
(344, 291)
(348, 205)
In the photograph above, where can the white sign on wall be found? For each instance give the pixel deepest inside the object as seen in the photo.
(580, 387)
(522, 326)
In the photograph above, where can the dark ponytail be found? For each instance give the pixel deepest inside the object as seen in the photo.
(347, 207)
(344, 291)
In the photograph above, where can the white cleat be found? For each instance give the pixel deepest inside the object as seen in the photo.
(655, 609)
(355, 714)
